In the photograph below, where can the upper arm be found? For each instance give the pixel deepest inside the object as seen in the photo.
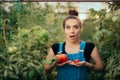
(97, 58)
(50, 54)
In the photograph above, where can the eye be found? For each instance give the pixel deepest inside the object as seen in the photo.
(76, 26)
(67, 27)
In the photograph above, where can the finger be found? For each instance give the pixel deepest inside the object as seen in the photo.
(72, 63)
(66, 62)
(81, 63)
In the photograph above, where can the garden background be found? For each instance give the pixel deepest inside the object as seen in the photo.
(27, 30)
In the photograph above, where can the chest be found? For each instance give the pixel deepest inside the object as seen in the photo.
(72, 49)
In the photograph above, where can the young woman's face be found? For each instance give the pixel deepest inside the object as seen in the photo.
(72, 30)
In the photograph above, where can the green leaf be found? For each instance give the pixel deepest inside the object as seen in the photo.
(30, 74)
(47, 62)
(5, 73)
(13, 75)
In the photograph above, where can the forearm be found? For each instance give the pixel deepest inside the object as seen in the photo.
(94, 66)
(48, 67)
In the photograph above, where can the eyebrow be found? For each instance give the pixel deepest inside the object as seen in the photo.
(73, 25)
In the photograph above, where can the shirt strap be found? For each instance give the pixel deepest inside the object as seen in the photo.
(82, 46)
(60, 48)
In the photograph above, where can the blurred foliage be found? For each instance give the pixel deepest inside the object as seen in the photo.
(27, 31)
(107, 38)
(17, 14)
(23, 57)
(88, 28)
(113, 6)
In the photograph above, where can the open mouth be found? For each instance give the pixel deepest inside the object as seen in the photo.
(72, 36)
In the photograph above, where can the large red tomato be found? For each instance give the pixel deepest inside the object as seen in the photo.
(61, 58)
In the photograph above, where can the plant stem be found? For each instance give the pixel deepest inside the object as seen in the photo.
(4, 34)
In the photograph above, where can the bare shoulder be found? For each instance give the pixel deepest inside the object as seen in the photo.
(50, 54)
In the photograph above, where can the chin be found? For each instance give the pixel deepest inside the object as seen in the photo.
(72, 41)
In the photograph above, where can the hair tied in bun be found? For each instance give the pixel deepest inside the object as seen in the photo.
(73, 12)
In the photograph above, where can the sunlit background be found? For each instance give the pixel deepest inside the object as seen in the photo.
(82, 7)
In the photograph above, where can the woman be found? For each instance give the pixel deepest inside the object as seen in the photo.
(75, 49)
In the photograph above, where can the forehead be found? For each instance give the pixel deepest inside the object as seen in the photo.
(72, 21)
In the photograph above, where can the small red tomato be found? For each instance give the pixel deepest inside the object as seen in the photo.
(76, 61)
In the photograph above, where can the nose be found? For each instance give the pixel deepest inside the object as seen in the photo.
(71, 30)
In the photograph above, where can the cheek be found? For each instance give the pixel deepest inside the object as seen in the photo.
(79, 31)
(66, 31)
(67, 34)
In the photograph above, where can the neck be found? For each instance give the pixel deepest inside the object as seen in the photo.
(73, 43)
(72, 47)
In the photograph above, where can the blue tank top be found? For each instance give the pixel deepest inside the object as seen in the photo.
(70, 72)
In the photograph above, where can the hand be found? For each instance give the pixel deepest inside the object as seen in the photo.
(66, 62)
(54, 63)
(78, 64)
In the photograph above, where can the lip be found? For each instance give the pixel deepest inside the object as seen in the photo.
(72, 36)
